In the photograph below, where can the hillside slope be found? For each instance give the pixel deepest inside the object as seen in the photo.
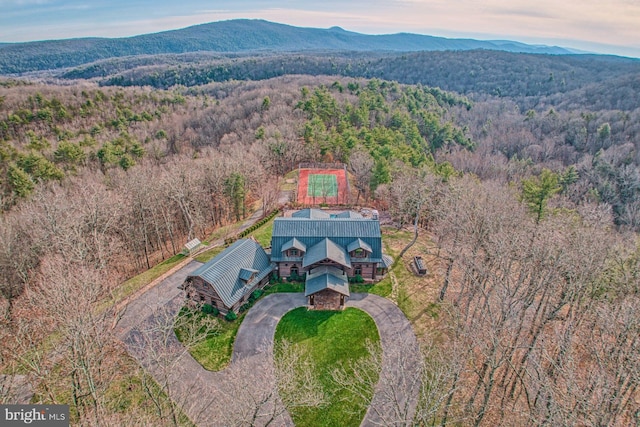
(241, 35)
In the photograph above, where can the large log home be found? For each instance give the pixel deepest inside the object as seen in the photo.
(328, 249)
(325, 250)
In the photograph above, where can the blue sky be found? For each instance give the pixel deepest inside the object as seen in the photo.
(608, 27)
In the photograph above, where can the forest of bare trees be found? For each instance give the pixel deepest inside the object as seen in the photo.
(533, 214)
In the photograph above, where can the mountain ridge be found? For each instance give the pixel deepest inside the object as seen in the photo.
(235, 36)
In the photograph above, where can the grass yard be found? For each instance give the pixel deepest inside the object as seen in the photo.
(284, 287)
(416, 294)
(209, 254)
(382, 288)
(263, 234)
(223, 232)
(213, 353)
(290, 182)
(327, 338)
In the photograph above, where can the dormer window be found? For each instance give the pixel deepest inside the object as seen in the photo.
(247, 274)
(359, 249)
(293, 248)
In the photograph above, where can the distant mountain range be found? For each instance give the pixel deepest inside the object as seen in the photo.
(236, 36)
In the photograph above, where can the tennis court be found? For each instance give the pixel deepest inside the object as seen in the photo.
(322, 186)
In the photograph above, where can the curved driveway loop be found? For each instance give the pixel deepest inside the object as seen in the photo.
(396, 395)
(258, 328)
(397, 391)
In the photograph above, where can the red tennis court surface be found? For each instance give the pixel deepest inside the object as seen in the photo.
(306, 194)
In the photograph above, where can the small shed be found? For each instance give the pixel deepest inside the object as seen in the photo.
(191, 246)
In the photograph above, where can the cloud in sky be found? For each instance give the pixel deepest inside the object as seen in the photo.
(573, 23)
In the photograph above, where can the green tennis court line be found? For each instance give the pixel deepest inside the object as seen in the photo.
(322, 185)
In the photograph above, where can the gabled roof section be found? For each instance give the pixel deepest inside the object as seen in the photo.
(224, 272)
(294, 244)
(326, 249)
(247, 273)
(326, 277)
(359, 244)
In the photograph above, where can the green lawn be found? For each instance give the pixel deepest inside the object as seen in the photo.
(327, 338)
(214, 353)
(223, 232)
(263, 234)
(382, 288)
(209, 254)
(284, 287)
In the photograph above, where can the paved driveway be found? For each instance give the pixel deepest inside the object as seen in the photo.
(146, 304)
(397, 390)
(205, 395)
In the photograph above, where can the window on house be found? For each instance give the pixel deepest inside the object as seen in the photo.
(358, 271)
(359, 253)
(294, 271)
(293, 252)
(201, 298)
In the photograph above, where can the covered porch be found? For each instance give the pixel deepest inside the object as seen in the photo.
(326, 288)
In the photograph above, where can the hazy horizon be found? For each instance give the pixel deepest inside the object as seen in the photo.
(584, 25)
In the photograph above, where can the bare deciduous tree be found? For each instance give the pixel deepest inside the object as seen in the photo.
(361, 165)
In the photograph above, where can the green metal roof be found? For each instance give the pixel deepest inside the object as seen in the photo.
(294, 243)
(333, 227)
(246, 273)
(311, 214)
(342, 231)
(226, 271)
(326, 277)
(359, 244)
(387, 261)
(326, 249)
